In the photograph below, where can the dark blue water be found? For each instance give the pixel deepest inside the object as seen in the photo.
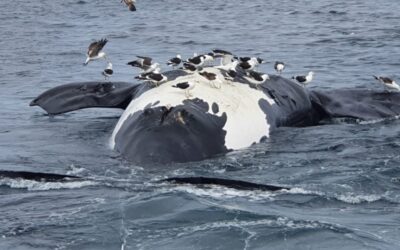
(346, 176)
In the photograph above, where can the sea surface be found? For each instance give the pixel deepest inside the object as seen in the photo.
(345, 177)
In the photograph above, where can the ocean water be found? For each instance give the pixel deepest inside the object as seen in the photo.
(345, 177)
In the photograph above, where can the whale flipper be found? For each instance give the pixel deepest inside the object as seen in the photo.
(36, 176)
(360, 104)
(74, 96)
(236, 184)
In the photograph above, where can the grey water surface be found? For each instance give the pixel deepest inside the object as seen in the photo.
(345, 176)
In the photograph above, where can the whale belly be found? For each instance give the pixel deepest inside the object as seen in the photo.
(162, 125)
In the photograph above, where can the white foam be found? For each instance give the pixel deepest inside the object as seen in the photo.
(297, 190)
(348, 197)
(218, 192)
(40, 186)
(396, 117)
(356, 199)
(75, 170)
(246, 122)
(244, 224)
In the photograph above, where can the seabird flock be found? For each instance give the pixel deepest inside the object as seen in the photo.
(151, 71)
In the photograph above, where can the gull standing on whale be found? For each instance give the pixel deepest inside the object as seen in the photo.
(144, 63)
(249, 63)
(199, 61)
(175, 61)
(226, 56)
(230, 68)
(155, 77)
(304, 79)
(212, 77)
(187, 86)
(255, 77)
(189, 66)
(94, 51)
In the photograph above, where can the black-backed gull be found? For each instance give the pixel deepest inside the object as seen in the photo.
(304, 79)
(175, 61)
(256, 77)
(388, 83)
(108, 71)
(187, 86)
(94, 51)
(130, 4)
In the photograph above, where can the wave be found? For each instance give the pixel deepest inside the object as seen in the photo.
(349, 120)
(348, 197)
(32, 185)
(217, 192)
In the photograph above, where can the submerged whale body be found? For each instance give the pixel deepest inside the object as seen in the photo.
(160, 125)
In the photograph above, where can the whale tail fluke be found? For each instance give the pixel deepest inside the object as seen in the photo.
(200, 181)
(36, 176)
(235, 184)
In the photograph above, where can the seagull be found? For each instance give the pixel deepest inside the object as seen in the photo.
(187, 86)
(130, 4)
(388, 83)
(256, 77)
(152, 68)
(94, 51)
(108, 71)
(189, 66)
(249, 63)
(304, 79)
(199, 61)
(145, 63)
(175, 61)
(142, 76)
(226, 56)
(211, 77)
(155, 77)
(279, 66)
(247, 58)
(231, 72)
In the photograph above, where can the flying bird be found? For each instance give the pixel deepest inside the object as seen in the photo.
(130, 4)
(94, 51)
(388, 83)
